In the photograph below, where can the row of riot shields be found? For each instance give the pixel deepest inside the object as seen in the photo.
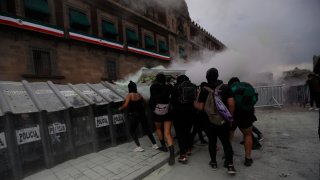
(43, 124)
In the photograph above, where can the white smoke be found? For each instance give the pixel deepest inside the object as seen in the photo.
(258, 40)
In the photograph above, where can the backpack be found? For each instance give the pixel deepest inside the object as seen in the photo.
(187, 92)
(244, 95)
(217, 112)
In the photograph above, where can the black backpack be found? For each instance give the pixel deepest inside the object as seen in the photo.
(187, 92)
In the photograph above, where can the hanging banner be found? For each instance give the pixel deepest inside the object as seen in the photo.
(118, 118)
(56, 128)
(28, 135)
(101, 121)
(3, 143)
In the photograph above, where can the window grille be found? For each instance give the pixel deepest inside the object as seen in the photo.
(42, 62)
(111, 68)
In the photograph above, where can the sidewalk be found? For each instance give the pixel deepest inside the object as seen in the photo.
(118, 162)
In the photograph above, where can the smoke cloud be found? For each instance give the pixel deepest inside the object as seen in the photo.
(261, 36)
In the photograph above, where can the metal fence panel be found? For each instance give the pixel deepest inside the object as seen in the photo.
(71, 96)
(58, 136)
(269, 96)
(120, 91)
(111, 95)
(48, 99)
(82, 130)
(297, 94)
(5, 167)
(17, 97)
(86, 90)
(102, 125)
(30, 148)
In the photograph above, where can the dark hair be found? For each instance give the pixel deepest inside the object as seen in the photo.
(161, 78)
(212, 75)
(233, 80)
(132, 87)
(182, 78)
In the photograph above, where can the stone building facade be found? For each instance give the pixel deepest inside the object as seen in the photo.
(76, 41)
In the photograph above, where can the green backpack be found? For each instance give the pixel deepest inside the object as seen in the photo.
(244, 95)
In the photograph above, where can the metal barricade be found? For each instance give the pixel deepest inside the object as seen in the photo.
(5, 166)
(270, 96)
(299, 94)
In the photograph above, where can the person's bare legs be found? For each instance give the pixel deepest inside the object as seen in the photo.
(247, 133)
(168, 136)
(159, 130)
(167, 132)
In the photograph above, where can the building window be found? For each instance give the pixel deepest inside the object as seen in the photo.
(78, 21)
(109, 30)
(37, 10)
(149, 43)
(132, 37)
(182, 53)
(42, 62)
(111, 70)
(3, 5)
(163, 48)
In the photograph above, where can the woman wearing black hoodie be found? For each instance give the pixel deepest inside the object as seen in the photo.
(184, 114)
(218, 131)
(160, 97)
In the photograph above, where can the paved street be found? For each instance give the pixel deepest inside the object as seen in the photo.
(290, 151)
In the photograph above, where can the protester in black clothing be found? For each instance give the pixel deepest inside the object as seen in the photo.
(314, 87)
(313, 83)
(183, 116)
(136, 114)
(221, 131)
(160, 94)
(198, 124)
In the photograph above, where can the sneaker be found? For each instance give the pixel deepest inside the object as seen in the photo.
(231, 169)
(183, 159)
(155, 146)
(138, 149)
(316, 109)
(213, 165)
(189, 152)
(248, 162)
(310, 109)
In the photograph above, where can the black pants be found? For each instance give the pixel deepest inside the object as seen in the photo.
(222, 132)
(135, 119)
(319, 126)
(183, 132)
(198, 127)
(182, 123)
